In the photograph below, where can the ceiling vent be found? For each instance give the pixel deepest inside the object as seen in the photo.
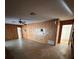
(32, 13)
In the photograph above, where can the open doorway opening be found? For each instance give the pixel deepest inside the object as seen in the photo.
(19, 32)
(65, 34)
(19, 36)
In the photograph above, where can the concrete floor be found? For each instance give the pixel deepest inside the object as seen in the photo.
(26, 49)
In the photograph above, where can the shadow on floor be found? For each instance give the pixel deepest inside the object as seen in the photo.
(8, 55)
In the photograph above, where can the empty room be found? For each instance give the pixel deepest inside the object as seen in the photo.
(39, 29)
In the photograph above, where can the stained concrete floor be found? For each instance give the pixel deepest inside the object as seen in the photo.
(27, 49)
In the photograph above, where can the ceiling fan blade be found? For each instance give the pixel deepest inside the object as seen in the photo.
(23, 22)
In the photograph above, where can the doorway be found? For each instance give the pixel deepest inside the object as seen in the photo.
(64, 27)
(19, 32)
(65, 34)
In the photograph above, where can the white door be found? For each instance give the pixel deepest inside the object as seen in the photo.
(65, 35)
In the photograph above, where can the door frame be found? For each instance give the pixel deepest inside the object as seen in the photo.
(66, 22)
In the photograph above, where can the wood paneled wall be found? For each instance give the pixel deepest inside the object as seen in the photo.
(10, 32)
(33, 31)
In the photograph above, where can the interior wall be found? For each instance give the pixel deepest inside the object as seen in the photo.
(33, 31)
(11, 32)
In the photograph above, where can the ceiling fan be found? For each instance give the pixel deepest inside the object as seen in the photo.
(21, 21)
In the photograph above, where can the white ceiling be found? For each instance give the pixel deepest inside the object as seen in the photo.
(44, 9)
